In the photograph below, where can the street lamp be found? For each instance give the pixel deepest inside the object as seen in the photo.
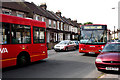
(118, 21)
(114, 32)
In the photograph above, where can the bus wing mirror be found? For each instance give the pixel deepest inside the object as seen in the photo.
(100, 50)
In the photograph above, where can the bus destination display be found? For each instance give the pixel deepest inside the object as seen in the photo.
(92, 27)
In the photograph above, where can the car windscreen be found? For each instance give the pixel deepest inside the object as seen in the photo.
(63, 42)
(118, 40)
(111, 48)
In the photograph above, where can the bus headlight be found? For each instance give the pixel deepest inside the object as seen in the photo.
(81, 48)
(102, 47)
(98, 60)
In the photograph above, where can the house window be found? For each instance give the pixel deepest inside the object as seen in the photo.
(65, 27)
(61, 26)
(43, 19)
(19, 15)
(37, 17)
(56, 37)
(54, 24)
(58, 25)
(70, 28)
(6, 12)
(49, 23)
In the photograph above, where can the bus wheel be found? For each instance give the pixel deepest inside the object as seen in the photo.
(23, 60)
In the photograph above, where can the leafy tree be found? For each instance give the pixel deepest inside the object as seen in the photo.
(88, 23)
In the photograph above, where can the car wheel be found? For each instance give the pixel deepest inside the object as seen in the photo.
(56, 50)
(66, 49)
(74, 48)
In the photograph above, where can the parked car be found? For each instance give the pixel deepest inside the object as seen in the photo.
(109, 58)
(118, 40)
(76, 43)
(64, 45)
(111, 40)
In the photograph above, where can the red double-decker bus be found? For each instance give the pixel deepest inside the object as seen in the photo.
(21, 41)
(92, 38)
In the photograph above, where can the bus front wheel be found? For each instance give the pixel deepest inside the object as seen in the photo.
(23, 60)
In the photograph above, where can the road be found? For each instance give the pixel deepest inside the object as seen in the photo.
(71, 64)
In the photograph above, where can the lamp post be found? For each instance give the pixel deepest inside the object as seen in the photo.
(114, 32)
(118, 21)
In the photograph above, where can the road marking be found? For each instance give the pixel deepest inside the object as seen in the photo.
(101, 76)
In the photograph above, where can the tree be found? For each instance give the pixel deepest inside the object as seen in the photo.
(88, 23)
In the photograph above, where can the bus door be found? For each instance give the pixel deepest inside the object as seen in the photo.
(38, 42)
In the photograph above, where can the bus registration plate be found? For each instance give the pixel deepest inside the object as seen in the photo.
(91, 52)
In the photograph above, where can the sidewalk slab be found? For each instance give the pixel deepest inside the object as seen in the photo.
(109, 77)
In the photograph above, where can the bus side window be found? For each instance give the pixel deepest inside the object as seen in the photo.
(39, 35)
(5, 33)
(20, 34)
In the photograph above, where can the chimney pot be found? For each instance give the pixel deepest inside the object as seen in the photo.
(58, 13)
(43, 5)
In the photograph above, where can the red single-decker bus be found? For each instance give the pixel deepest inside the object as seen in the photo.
(21, 41)
(93, 37)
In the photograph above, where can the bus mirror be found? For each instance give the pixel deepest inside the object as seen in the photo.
(100, 50)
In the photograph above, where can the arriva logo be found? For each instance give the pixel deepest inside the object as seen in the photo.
(3, 50)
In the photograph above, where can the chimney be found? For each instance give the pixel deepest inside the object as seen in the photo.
(69, 19)
(44, 6)
(75, 21)
(58, 13)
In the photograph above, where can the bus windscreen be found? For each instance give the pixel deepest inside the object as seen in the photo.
(98, 35)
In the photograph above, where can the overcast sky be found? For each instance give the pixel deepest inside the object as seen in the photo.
(96, 11)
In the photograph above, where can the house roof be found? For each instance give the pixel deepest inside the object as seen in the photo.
(66, 21)
(47, 14)
(55, 15)
(19, 6)
(34, 9)
(75, 23)
(69, 20)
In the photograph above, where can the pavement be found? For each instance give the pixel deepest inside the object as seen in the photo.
(110, 76)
